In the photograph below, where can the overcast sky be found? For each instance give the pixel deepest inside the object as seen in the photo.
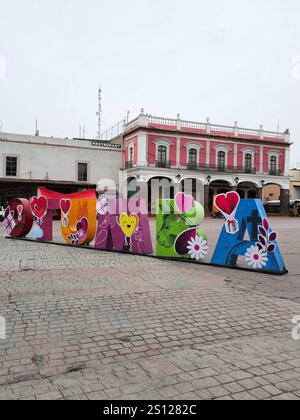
(227, 60)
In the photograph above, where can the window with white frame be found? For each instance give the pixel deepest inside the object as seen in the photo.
(82, 171)
(131, 153)
(11, 166)
(273, 164)
(248, 162)
(192, 157)
(162, 154)
(221, 159)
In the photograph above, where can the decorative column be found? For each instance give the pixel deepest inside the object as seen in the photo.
(261, 132)
(261, 158)
(178, 152)
(208, 126)
(235, 156)
(285, 202)
(143, 119)
(207, 152)
(142, 149)
(178, 122)
(236, 129)
(142, 190)
(287, 162)
(259, 193)
(177, 187)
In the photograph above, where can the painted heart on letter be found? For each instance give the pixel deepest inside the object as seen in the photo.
(182, 241)
(184, 202)
(227, 203)
(82, 228)
(65, 206)
(39, 206)
(129, 224)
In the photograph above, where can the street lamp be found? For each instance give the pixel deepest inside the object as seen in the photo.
(237, 180)
(208, 179)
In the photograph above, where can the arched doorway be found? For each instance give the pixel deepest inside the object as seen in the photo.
(131, 187)
(247, 190)
(215, 188)
(271, 192)
(159, 188)
(276, 199)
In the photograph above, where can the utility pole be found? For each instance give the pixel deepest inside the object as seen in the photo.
(99, 112)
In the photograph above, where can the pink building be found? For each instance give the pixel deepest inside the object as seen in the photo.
(204, 159)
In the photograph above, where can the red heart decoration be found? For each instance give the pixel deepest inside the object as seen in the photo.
(39, 206)
(65, 206)
(227, 203)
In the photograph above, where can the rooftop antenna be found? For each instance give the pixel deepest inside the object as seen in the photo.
(84, 132)
(1, 127)
(79, 131)
(99, 112)
(128, 116)
(278, 126)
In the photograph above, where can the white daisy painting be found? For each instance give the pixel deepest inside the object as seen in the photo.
(198, 248)
(256, 258)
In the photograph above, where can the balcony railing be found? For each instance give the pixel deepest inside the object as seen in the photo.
(223, 169)
(207, 127)
(163, 164)
(275, 172)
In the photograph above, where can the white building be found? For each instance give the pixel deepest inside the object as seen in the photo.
(65, 165)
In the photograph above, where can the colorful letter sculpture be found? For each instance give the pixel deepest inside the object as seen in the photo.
(78, 215)
(246, 241)
(78, 220)
(122, 230)
(261, 252)
(178, 232)
(18, 219)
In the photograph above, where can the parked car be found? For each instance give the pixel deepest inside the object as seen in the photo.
(272, 207)
(2, 212)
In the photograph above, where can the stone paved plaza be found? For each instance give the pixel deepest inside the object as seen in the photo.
(84, 324)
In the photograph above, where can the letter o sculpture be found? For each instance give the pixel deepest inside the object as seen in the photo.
(18, 219)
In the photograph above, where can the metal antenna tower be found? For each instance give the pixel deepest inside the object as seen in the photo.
(99, 112)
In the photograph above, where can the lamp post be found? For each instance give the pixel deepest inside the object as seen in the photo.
(206, 194)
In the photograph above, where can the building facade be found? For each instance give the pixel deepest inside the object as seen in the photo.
(208, 158)
(153, 156)
(64, 165)
(295, 184)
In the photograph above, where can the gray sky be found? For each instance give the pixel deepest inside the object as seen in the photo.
(229, 60)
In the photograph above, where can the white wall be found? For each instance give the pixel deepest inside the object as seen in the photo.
(39, 156)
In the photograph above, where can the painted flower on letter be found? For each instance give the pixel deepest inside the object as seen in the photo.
(256, 258)
(198, 248)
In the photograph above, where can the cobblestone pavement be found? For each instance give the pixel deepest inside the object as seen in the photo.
(85, 324)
